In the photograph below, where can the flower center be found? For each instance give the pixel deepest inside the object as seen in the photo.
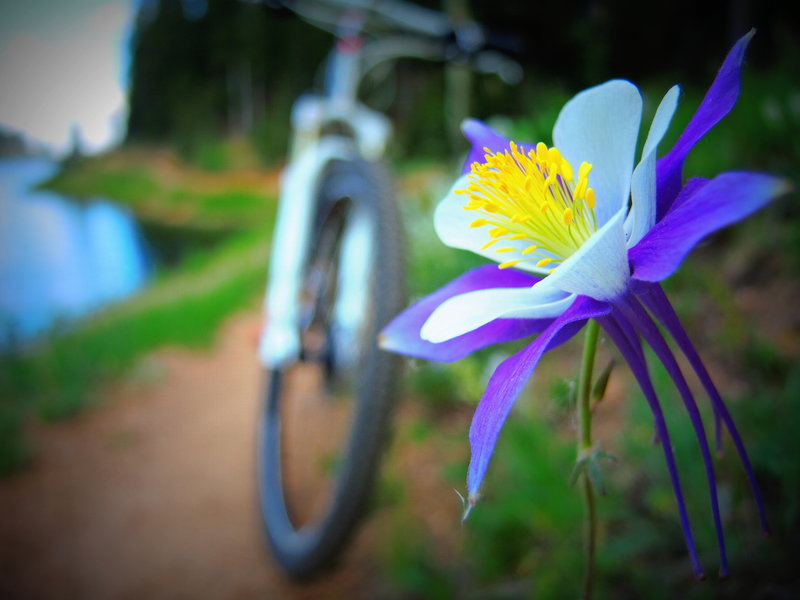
(531, 204)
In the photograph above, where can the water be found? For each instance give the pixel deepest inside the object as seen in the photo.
(59, 259)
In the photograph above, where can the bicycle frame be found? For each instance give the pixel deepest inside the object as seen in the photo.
(312, 150)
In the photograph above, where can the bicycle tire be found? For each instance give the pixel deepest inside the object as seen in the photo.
(306, 549)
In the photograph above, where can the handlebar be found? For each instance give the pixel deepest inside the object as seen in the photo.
(419, 33)
(379, 14)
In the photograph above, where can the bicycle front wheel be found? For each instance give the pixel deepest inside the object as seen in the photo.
(326, 417)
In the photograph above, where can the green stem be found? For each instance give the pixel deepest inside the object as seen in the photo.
(584, 446)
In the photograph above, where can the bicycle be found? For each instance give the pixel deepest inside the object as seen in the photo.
(336, 278)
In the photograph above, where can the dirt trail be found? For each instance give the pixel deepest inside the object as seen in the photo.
(152, 494)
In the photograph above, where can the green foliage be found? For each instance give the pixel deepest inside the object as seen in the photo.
(244, 203)
(235, 69)
(443, 385)
(128, 185)
(270, 133)
(15, 374)
(530, 518)
(411, 566)
(759, 131)
(196, 79)
(206, 152)
(524, 538)
(165, 194)
(563, 393)
(645, 526)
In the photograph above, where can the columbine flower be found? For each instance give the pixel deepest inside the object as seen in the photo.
(581, 234)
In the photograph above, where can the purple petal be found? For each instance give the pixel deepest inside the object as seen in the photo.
(724, 200)
(402, 334)
(639, 318)
(694, 185)
(481, 136)
(656, 300)
(509, 379)
(718, 102)
(615, 325)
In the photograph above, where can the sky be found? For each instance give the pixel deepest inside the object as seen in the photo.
(63, 64)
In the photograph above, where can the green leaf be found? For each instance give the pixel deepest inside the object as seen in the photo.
(601, 383)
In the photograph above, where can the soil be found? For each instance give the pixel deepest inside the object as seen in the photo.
(152, 493)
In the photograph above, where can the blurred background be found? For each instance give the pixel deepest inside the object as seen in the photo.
(140, 149)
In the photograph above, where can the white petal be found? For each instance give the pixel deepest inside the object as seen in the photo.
(642, 216)
(452, 224)
(600, 126)
(461, 314)
(600, 268)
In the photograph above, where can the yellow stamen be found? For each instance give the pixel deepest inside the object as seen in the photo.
(566, 170)
(590, 201)
(541, 151)
(580, 189)
(509, 264)
(531, 195)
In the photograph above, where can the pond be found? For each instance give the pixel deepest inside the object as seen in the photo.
(59, 259)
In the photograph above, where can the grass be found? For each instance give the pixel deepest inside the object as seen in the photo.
(159, 188)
